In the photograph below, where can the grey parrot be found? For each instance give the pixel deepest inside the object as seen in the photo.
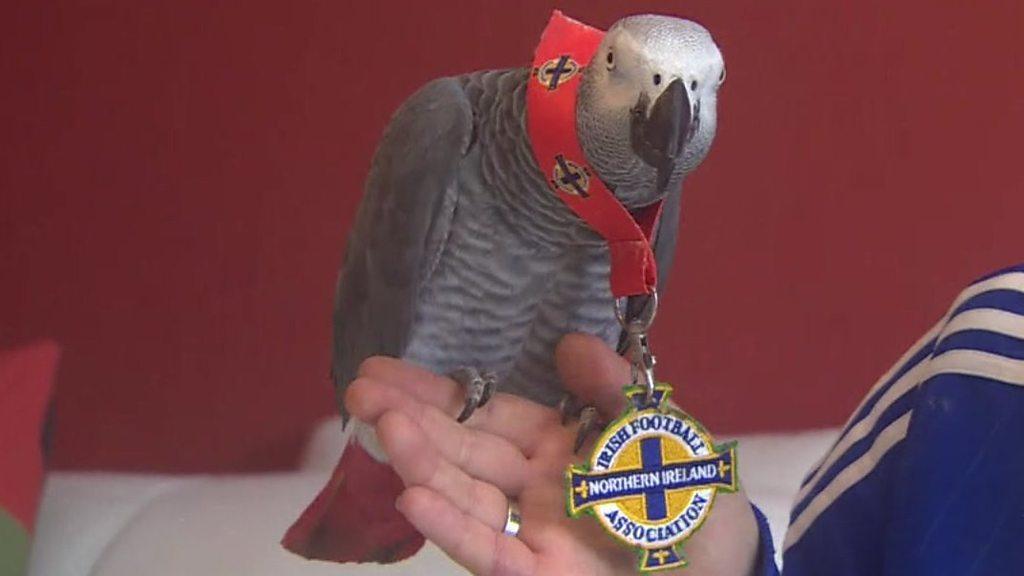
(461, 258)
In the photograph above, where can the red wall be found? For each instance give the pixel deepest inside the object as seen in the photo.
(176, 180)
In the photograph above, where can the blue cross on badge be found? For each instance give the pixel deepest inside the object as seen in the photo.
(557, 71)
(652, 478)
(570, 177)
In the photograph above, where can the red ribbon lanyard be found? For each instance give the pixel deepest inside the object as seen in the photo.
(565, 48)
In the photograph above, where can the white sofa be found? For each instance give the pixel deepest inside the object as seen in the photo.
(103, 524)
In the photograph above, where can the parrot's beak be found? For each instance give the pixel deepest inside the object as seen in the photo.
(660, 136)
(668, 125)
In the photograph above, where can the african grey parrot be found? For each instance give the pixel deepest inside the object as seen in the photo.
(461, 258)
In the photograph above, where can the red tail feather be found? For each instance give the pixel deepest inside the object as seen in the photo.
(354, 519)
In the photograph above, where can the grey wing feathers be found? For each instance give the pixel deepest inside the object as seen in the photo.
(400, 227)
(665, 240)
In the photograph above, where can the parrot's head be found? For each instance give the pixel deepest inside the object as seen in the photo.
(646, 111)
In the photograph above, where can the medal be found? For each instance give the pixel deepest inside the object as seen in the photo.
(653, 475)
(652, 478)
(654, 472)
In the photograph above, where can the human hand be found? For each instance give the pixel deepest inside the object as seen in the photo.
(460, 477)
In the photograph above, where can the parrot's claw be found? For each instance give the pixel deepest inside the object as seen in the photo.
(570, 408)
(589, 420)
(479, 388)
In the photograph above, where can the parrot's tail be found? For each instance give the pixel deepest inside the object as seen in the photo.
(354, 519)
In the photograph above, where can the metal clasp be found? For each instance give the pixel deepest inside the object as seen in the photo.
(642, 360)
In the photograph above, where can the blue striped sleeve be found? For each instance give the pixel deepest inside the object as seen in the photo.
(927, 477)
(958, 498)
(765, 564)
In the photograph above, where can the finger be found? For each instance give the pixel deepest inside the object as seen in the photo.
(523, 422)
(418, 463)
(480, 454)
(423, 384)
(397, 384)
(449, 397)
(480, 549)
(369, 398)
(593, 372)
(727, 543)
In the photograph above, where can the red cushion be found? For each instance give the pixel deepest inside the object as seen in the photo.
(26, 376)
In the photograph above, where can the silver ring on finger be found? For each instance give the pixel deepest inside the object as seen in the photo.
(513, 520)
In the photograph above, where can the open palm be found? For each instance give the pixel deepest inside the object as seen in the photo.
(460, 477)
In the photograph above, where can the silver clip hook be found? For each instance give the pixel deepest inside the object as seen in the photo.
(642, 360)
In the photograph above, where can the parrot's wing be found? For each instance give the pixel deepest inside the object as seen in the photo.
(401, 226)
(664, 246)
(665, 239)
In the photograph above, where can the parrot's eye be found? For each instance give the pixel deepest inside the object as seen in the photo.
(657, 79)
(693, 86)
(610, 58)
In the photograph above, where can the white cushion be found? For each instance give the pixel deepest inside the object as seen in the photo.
(151, 525)
(324, 446)
(227, 526)
(81, 513)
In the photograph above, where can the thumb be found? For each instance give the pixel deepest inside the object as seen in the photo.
(593, 372)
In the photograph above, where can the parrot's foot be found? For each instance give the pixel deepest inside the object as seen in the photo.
(479, 387)
(587, 415)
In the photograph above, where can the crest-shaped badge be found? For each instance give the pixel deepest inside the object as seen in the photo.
(570, 177)
(652, 478)
(557, 71)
